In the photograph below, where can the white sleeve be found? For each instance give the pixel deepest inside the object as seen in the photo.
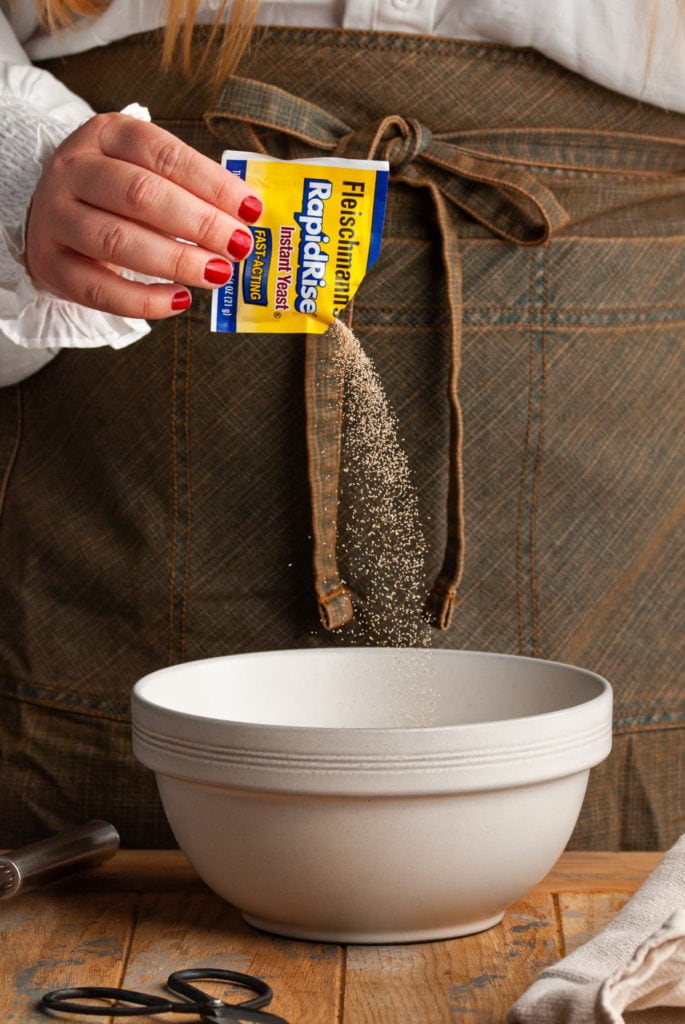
(17, 363)
(36, 113)
(630, 46)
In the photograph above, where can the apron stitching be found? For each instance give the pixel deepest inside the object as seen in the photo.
(530, 464)
(541, 346)
(410, 43)
(174, 501)
(12, 457)
(570, 318)
(180, 499)
(475, 317)
(188, 493)
(520, 552)
(656, 721)
(181, 524)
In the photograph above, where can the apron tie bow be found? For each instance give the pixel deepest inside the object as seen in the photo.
(394, 138)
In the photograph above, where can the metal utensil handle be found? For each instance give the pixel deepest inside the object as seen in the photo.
(59, 855)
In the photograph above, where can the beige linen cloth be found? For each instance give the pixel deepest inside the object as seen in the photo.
(632, 972)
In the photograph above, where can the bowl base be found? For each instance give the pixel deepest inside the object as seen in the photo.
(380, 938)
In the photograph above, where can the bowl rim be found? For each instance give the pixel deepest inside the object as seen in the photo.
(374, 760)
(138, 697)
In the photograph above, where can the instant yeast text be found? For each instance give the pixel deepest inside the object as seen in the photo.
(319, 234)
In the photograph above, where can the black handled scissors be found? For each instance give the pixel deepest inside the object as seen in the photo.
(128, 1003)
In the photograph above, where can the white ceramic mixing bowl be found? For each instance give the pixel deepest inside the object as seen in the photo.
(372, 795)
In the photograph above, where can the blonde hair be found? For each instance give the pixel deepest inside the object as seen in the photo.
(234, 35)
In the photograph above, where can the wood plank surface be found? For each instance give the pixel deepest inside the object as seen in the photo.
(473, 978)
(50, 941)
(583, 914)
(582, 871)
(145, 914)
(180, 930)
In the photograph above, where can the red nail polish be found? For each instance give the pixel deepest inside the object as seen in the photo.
(239, 244)
(181, 300)
(250, 209)
(218, 272)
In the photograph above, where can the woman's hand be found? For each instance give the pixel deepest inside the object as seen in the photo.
(117, 194)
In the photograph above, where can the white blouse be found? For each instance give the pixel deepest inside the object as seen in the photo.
(607, 41)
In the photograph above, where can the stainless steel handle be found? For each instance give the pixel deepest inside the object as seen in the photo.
(56, 856)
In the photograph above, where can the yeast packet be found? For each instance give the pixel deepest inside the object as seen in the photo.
(319, 234)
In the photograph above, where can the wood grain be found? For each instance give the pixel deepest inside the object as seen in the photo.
(177, 930)
(475, 978)
(50, 941)
(145, 914)
(581, 871)
(583, 914)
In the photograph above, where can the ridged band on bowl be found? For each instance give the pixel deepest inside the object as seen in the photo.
(452, 769)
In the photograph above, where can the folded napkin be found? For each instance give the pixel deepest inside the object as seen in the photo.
(632, 972)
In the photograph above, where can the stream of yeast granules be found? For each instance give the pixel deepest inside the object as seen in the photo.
(381, 542)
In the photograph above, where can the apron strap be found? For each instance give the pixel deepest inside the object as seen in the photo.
(324, 402)
(509, 200)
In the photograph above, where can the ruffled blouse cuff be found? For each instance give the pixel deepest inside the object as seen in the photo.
(32, 317)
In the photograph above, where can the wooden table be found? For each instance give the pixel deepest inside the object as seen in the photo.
(145, 914)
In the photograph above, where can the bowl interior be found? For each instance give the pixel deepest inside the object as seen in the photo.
(369, 688)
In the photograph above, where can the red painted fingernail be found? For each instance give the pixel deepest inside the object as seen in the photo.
(239, 244)
(250, 209)
(181, 300)
(218, 271)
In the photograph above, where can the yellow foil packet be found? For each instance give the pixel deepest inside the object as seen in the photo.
(320, 232)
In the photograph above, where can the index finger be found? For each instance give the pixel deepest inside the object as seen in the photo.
(148, 145)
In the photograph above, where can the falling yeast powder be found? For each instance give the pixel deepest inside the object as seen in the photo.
(381, 543)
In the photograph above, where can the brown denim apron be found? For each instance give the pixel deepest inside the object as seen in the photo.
(526, 317)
